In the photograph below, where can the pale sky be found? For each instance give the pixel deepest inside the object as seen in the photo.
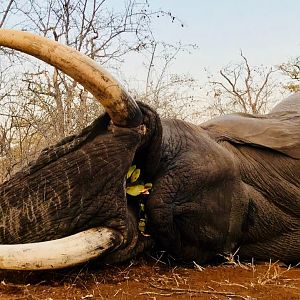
(267, 31)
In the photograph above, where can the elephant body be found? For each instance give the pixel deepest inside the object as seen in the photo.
(231, 183)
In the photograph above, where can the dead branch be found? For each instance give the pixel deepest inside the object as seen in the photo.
(176, 290)
(6, 11)
(243, 88)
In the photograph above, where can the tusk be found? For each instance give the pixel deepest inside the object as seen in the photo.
(61, 253)
(122, 109)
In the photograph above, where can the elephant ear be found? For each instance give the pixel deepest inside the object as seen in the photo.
(277, 131)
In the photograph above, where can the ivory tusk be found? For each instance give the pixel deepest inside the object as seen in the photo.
(121, 107)
(61, 253)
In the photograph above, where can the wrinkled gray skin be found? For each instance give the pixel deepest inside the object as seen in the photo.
(232, 182)
(76, 185)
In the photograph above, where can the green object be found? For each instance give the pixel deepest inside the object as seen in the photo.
(135, 175)
(135, 190)
(135, 187)
(142, 225)
(130, 171)
(148, 186)
(142, 207)
(139, 188)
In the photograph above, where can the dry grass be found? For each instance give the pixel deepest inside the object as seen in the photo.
(154, 279)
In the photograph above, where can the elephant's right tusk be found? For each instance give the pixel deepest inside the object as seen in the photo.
(121, 107)
(61, 253)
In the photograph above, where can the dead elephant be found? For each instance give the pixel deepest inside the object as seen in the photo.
(230, 183)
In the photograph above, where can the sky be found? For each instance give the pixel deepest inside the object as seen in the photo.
(267, 31)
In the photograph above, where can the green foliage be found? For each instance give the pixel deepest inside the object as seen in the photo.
(130, 171)
(135, 175)
(135, 190)
(142, 225)
(135, 187)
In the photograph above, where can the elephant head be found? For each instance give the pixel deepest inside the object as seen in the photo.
(70, 205)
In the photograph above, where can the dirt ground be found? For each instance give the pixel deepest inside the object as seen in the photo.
(148, 278)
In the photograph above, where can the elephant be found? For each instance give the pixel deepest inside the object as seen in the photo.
(230, 184)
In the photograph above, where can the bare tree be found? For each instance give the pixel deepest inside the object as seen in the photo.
(92, 28)
(291, 69)
(172, 95)
(243, 88)
(46, 105)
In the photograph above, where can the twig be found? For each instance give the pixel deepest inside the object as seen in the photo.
(182, 291)
(6, 12)
(230, 284)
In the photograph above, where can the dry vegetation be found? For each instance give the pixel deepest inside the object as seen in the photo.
(147, 278)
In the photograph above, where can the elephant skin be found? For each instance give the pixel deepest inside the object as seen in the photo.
(231, 184)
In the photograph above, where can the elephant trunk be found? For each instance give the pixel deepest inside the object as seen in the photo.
(120, 106)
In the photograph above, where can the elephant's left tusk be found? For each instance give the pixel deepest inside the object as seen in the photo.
(61, 253)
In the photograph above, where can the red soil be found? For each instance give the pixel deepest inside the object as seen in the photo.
(144, 279)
